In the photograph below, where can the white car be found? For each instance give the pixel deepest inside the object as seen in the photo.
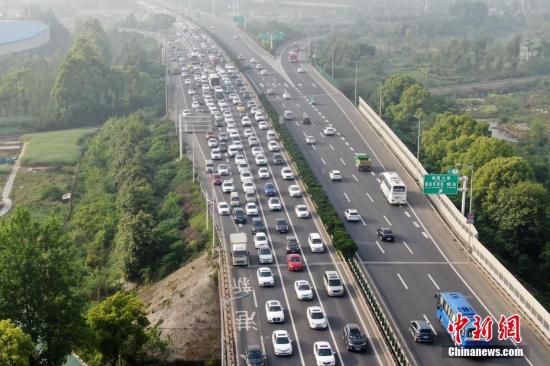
(195, 105)
(282, 345)
(286, 95)
(273, 146)
(286, 173)
(352, 215)
(263, 173)
(335, 175)
(260, 159)
(254, 109)
(187, 82)
(271, 135)
(258, 116)
(300, 70)
(301, 211)
(260, 239)
(223, 208)
(274, 204)
(248, 132)
(316, 317)
(233, 133)
(215, 154)
(303, 290)
(329, 131)
(222, 103)
(222, 136)
(223, 169)
(265, 277)
(186, 112)
(227, 186)
(274, 310)
(288, 115)
(315, 243)
(294, 191)
(245, 175)
(212, 142)
(239, 158)
(227, 114)
(245, 121)
(324, 355)
(263, 125)
(251, 209)
(248, 186)
(263, 72)
(191, 91)
(253, 141)
(256, 150)
(265, 255)
(310, 140)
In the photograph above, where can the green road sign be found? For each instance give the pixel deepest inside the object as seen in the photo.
(453, 171)
(264, 36)
(441, 184)
(238, 19)
(279, 36)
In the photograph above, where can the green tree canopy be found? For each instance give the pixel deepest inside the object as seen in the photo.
(479, 152)
(393, 88)
(16, 347)
(415, 100)
(40, 284)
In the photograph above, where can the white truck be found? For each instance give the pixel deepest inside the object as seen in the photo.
(239, 252)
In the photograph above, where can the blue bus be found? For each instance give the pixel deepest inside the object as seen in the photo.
(448, 305)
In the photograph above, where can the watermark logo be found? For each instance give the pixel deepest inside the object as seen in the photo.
(509, 328)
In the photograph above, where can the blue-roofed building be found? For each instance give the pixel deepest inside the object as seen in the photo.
(22, 35)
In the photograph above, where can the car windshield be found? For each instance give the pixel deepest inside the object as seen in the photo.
(265, 274)
(325, 352)
(295, 259)
(254, 355)
(302, 208)
(265, 251)
(387, 231)
(317, 315)
(281, 223)
(274, 308)
(426, 331)
(355, 333)
(334, 283)
(282, 340)
(303, 287)
(316, 241)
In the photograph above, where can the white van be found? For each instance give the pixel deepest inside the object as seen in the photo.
(209, 166)
(232, 150)
(234, 199)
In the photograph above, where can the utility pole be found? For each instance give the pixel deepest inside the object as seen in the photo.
(355, 89)
(332, 64)
(464, 190)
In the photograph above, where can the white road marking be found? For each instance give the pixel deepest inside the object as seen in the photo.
(372, 173)
(430, 324)
(351, 148)
(297, 124)
(347, 198)
(343, 162)
(407, 214)
(385, 218)
(347, 143)
(354, 177)
(323, 160)
(284, 106)
(433, 281)
(425, 235)
(403, 282)
(416, 224)
(329, 145)
(363, 221)
(313, 85)
(407, 246)
(380, 247)
(378, 180)
(370, 198)
(254, 297)
(320, 133)
(297, 105)
(313, 147)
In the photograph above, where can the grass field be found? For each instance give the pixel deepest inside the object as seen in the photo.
(54, 148)
(4, 172)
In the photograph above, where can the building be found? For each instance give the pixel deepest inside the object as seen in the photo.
(22, 35)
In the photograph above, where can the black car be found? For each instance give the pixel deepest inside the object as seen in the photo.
(354, 338)
(385, 234)
(257, 225)
(239, 217)
(281, 226)
(222, 146)
(254, 355)
(278, 159)
(421, 331)
(306, 120)
(291, 245)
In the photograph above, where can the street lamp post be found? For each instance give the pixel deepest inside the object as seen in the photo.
(418, 137)
(355, 89)
(380, 99)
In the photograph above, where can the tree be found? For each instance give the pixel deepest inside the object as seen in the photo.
(483, 150)
(39, 290)
(498, 175)
(470, 12)
(415, 100)
(513, 50)
(16, 347)
(394, 87)
(121, 330)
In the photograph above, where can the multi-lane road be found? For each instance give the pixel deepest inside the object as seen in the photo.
(425, 258)
(248, 299)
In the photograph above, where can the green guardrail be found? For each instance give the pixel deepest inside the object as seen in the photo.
(341, 240)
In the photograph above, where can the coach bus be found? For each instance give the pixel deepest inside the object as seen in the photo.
(448, 305)
(393, 188)
(213, 81)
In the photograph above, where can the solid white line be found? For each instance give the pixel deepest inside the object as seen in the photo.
(297, 124)
(407, 245)
(372, 173)
(379, 247)
(313, 147)
(416, 224)
(403, 282)
(407, 214)
(370, 198)
(433, 281)
(254, 297)
(343, 162)
(320, 133)
(425, 235)
(347, 197)
(323, 161)
(262, 341)
(378, 180)
(385, 218)
(329, 145)
(363, 221)
(354, 177)
(429, 323)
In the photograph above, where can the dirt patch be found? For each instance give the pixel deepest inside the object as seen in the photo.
(186, 307)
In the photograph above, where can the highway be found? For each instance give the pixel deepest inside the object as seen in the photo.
(248, 299)
(425, 258)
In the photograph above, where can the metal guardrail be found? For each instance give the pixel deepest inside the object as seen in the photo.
(486, 261)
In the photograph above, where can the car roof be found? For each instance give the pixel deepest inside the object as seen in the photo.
(352, 326)
(422, 324)
(332, 274)
(253, 347)
(322, 344)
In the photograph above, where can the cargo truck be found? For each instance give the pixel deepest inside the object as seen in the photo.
(363, 161)
(239, 252)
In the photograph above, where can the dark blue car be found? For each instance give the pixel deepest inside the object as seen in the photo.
(270, 190)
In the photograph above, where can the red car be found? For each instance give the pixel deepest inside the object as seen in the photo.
(217, 180)
(210, 134)
(294, 262)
